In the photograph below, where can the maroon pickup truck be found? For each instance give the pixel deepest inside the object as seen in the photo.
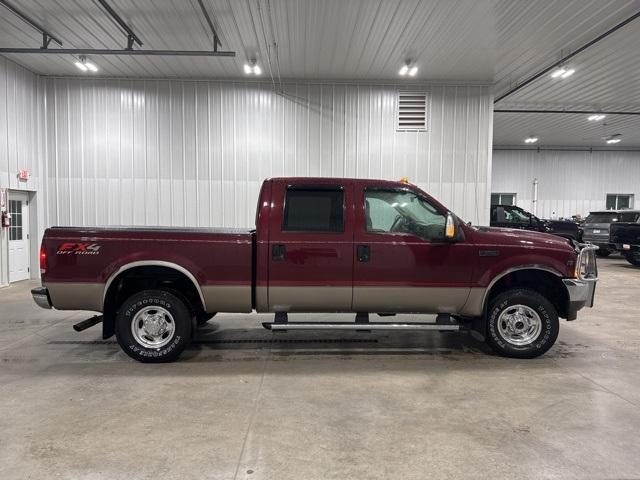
(321, 245)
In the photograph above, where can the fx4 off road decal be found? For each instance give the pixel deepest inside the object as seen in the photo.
(72, 248)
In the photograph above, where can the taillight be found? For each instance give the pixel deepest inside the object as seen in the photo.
(43, 260)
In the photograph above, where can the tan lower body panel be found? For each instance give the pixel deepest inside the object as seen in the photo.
(460, 300)
(310, 299)
(410, 299)
(76, 296)
(227, 298)
(475, 303)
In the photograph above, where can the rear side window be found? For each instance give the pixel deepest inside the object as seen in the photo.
(314, 209)
(628, 217)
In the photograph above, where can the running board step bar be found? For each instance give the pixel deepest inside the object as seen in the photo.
(357, 326)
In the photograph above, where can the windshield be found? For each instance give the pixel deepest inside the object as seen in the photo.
(393, 211)
(602, 217)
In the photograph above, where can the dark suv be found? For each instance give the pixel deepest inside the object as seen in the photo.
(510, 216)
(596, 228)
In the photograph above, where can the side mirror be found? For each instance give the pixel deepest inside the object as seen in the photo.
(450, 229)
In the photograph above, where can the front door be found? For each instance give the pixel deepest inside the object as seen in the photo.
(311, 246)
(18, 237)
(403, 261)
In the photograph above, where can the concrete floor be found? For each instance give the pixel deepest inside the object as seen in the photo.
(244, 403)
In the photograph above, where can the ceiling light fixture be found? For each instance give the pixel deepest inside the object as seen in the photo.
(563, 72)
(568, 73)
(613, 140)
(85, 65)
(596, 117)
(409, 68)
(252, 67)
(531, 139)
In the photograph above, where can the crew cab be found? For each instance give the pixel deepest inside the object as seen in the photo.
(510, 216)
(321, 245)
(625, 237)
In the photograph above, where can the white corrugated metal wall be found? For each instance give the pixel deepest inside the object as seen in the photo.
(194, 153)
(570, 182)
(21, 131)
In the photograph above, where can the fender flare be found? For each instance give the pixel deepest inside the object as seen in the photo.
(508, 271)
(152, 263)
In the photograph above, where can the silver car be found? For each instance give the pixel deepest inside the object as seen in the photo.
(595, 228)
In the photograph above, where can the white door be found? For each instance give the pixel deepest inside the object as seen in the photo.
(18, 237)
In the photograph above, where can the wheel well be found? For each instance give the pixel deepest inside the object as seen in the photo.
(147, 277)
(545, 283)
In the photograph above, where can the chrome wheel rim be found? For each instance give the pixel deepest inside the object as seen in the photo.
(153, 327)
(519, 325)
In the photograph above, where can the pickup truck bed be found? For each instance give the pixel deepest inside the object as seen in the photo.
(83, 263)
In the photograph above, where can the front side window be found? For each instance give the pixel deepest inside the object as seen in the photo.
(314, 209)
(390, 211)
(515, 215)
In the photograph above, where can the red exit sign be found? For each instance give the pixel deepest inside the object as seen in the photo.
(23, 175)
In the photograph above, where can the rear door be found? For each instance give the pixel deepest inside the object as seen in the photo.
(311, 246)
(403, 262)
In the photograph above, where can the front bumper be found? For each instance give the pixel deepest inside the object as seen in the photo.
(581, 294)
(41, 297)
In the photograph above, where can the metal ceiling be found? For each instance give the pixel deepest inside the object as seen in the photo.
(477, 41)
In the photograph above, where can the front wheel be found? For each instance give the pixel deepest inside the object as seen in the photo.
(153, 326)
(521, 323)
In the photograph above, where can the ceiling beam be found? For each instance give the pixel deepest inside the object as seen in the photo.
(570, 112)
(94, 51)
(546, 70)
(216, 39)
(131, 36)
(46, 35)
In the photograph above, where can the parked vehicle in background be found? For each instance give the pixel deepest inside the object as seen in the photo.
(510, 216)
(626, 239)
(321, 245)
(596, 228)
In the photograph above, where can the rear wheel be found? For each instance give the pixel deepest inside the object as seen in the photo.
(633, 258)
(521, 323)
(153, 326)
(603, 252)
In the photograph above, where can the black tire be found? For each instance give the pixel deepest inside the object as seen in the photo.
(204, 317)
(170, 309)
(633, 258)
(538, 305)
(603, 252)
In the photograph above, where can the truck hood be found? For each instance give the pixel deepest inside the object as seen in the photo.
(525, 238)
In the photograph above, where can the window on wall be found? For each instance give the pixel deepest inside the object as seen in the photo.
(15, 230)
(616, 201)
(314, 209)
(503, 199)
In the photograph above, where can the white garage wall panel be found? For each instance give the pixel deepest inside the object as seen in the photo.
(194, 153)
(21, 130)
(569, 182)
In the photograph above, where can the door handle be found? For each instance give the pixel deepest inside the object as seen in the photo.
(364, 253)
(277, 252)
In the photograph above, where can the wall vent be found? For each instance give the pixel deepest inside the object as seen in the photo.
(412, 111)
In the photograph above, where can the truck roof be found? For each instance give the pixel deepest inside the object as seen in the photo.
(396, 183)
